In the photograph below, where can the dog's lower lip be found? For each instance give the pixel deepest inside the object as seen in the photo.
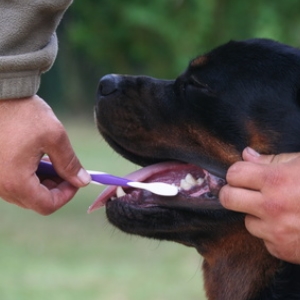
(140, 175)
(193, 180)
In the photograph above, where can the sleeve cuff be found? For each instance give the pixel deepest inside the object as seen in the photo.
(20, 74)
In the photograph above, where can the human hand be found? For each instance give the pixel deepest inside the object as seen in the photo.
(28, 130)
(267, 189)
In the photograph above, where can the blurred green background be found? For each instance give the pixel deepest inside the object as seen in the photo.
(73, 255)
(157, 38)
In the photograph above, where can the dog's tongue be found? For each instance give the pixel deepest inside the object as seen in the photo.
(139, 175)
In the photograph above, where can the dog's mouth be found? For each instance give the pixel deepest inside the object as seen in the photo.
(198, 189)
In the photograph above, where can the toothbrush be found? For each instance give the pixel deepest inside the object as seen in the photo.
(158, 188)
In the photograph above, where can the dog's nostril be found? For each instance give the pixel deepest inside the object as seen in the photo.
(108, 84)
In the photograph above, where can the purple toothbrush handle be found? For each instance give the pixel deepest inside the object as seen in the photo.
(109, 179)
(46, 168)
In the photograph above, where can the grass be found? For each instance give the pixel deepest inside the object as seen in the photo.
(73, 255)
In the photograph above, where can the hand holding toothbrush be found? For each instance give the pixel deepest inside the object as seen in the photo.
(29, 129)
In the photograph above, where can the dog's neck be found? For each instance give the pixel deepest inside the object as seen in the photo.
(237, 267)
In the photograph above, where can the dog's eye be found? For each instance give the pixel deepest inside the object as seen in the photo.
(195, 81)
(203, 87)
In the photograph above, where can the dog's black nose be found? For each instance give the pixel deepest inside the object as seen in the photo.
(108, 84)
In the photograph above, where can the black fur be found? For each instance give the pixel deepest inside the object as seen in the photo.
(239, 94)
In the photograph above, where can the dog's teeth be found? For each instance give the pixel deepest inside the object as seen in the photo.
(185, 185)
(200, 181)
(190, 179)
(188, 182)
(113, 198)
(120, 192)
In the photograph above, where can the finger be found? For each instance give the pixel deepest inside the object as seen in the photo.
(251, 155)
(257, 227)
(43, 198)
(241, 200)
(246, 175)
(65, 160)
(61, 194)
(249, 173)
(47, 197)
(254, 226)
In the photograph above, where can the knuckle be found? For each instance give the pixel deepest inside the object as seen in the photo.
(44, 209)
(57, 133)
(273, 206)
(235, 170)
(72, 167)
(52, 135)
(273, 177)
(224, 196)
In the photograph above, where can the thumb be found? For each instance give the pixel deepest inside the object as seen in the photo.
(66, 163)
(249, 154)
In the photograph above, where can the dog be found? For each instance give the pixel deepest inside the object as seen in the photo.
(188, 132)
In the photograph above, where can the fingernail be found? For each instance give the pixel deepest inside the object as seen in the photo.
(252, 152)
(84, 176)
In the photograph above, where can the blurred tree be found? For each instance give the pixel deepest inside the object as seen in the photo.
(156, 38)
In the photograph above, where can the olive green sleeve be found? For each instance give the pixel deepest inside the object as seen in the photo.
(28, 43)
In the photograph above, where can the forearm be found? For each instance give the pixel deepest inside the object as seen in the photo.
(28, 43)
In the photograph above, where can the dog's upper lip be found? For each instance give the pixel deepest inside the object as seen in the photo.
(214, 168)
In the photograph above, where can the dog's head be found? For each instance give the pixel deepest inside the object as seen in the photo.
(240, 94)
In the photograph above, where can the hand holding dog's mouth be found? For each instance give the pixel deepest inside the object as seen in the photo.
(197, 188)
